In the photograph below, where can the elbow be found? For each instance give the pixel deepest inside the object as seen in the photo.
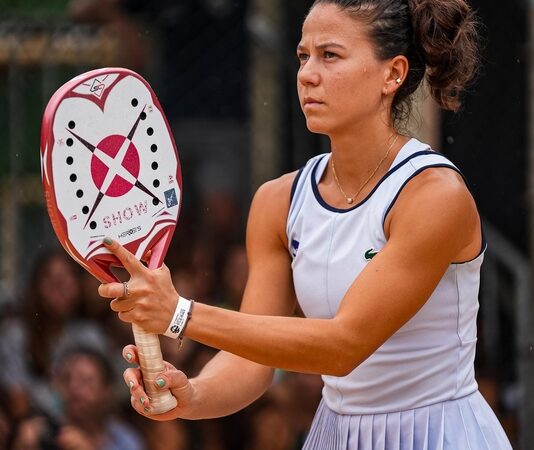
(347, 349)
(343, 351)
(341, 370)
(343, 365)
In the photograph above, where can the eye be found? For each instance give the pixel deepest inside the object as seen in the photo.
(302, 57)
(329, 55)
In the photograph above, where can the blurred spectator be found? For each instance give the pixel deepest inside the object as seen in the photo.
(185, 281)
(96, 309)
(198, 277)
(165, 435)
(133, 47)
(83, 378)
(304, 397)
(48, 325)
(270, 427)
(287, 407)
(234, 277)
(6, 422)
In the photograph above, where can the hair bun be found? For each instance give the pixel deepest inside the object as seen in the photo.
(446, 34)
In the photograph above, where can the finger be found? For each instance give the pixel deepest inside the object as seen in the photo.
(111, 290)
(146, 257)
(129, 353)
(128, 260)
(172, 379)
(143, 410)
(138, 397)
(126, 316)
(134, 380)
(121, 304)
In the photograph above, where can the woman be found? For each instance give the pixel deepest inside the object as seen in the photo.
(379, 241)
(49, 323)
(84, 380)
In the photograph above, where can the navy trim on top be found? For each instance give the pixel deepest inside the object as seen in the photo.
(413, 175)
(417, 172)
(294, 185)
(317, 194)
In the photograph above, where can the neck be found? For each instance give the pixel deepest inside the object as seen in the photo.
(357, 153)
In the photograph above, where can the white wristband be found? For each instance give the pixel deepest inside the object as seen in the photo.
(180, 318)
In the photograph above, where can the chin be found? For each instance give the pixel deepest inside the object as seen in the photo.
(316, 126)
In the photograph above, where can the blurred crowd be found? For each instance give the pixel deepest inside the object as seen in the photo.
(61, 383)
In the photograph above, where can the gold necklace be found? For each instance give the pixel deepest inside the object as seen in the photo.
(350, 199)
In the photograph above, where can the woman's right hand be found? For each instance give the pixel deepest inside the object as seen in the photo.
(171, 378)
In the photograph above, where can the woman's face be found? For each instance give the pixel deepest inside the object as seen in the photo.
(340, 80)
(59, 288)
(83, 387)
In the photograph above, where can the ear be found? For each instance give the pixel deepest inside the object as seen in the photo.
(395, 73)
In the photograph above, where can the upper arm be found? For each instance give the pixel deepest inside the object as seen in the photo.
(433, 222)
(269, 288)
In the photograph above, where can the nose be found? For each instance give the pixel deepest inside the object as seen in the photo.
(308, 73)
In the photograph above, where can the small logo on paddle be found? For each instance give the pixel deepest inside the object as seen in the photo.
(170, 198)
(97, 88)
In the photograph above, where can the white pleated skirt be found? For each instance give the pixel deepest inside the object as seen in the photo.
(464, 424)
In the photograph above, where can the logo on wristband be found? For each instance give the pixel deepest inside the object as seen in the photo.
(179, 322)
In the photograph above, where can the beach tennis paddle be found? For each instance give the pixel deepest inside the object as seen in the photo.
(110, 167)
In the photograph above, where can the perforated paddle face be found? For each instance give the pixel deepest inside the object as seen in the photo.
(110, 168)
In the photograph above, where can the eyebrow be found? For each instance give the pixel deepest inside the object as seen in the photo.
(323, 46)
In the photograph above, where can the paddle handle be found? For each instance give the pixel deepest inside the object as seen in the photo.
(151, 363)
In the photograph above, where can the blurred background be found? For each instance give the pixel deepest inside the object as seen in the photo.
(224, 72)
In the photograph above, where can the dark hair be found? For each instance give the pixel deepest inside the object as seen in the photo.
(438, 37)
(43, 329)
(99, 359)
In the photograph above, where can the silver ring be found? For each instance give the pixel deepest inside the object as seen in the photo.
(126, 290)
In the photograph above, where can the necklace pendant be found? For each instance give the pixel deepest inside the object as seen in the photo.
(350, 200)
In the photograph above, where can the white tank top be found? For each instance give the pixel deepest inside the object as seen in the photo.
(430, 359)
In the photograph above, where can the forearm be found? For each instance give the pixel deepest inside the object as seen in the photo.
(227, 384)
(303, 345)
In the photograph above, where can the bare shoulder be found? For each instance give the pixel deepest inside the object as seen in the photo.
(440, 187)
(276, 190)
(270, 207)
(437, 203)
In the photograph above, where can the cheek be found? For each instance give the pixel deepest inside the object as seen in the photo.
(357, 93)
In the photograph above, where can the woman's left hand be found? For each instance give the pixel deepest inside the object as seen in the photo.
(151, 297)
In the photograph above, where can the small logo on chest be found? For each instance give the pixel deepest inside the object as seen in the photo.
(294, 247)
(370, 254)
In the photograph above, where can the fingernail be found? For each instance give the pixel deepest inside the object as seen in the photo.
(160, 382)
(129, 356)
(142, 400)
(108, 241)
(147, 411)
(130, 383)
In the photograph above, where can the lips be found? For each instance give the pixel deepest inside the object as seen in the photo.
(310, 103)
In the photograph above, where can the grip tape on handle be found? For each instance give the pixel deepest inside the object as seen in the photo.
(151, 363)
